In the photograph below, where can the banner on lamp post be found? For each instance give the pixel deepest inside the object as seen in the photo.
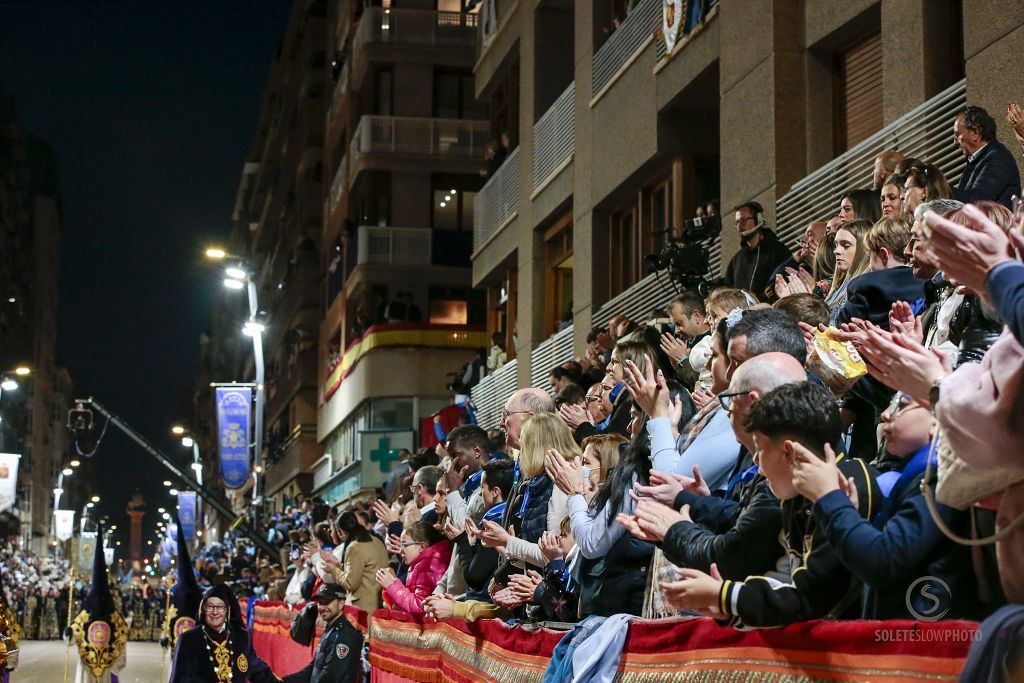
(8, 479)
(108, 556)
(86, 549)
(234, 413)
(64, 524)
(187, 514)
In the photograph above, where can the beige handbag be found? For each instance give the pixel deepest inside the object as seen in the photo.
(960, 484)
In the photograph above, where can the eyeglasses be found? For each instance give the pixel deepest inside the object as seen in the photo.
(414, 487)
(406, 545)
(506, 414)
(216, 609)
(741, 221)
(591, 399)
(727, 399)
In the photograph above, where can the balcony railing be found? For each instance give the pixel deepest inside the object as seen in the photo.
(456, 138)
(554, 137)
(922, 133)
(393, 246)
(338, 187)
(553, 351)
(490, 394)
(620, 47)
(497, 202)
(415, 27)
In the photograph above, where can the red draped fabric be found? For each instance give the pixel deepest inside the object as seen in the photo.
(405, 648)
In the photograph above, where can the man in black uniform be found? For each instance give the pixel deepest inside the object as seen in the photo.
(339, 654)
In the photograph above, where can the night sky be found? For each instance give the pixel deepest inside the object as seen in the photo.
(151, 108)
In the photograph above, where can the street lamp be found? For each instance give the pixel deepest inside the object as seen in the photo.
(95, 499)
(237, 278)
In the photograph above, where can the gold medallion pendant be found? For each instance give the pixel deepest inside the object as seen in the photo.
(243, 663)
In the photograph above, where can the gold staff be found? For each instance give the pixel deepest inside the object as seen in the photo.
(168, 581)
(67, 629)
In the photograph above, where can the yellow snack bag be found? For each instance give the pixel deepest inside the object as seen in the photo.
(835, 362)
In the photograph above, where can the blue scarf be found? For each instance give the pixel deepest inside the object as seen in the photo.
(914, 467)
(472, 484)
(496, 513)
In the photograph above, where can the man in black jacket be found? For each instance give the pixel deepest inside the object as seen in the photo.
(991, 171)
(338, 657)
(760, 252)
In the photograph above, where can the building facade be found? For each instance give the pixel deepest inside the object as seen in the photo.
(34, 414)
(785, 102)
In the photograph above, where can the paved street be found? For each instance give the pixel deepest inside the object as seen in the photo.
(42, 661)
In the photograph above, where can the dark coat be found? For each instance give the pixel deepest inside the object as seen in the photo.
(192, 660)
(338, 657)
(992, 175)
(870, 296)
(615, 583)
(751, 269)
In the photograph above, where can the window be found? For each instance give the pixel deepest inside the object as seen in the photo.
(453, 209)
(382, 100)
(637, 230)
(558, 267)
(454, 96)
(859, 92)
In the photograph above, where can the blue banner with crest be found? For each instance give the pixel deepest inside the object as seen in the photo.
(234, 413)
(187, 514)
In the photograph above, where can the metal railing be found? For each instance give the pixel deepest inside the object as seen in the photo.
(923, 133)
(497, 201)
(554, 136)
(653, 291)
(338, 187)
(415, 27)
(393, 246)
(553, 351)
(638, 26)
(462, 138)
(490, 394)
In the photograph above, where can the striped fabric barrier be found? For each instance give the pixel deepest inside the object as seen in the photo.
(271, 625)
(405, 648)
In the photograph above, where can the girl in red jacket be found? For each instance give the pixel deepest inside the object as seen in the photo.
(427, 555)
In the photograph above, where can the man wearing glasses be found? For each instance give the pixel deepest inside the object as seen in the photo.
(219, 649)
(521, 405)
(338, 657)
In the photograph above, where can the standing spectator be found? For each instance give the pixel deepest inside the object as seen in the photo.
(760, 251)
(496, 357)
(364, 555)
(991, 171)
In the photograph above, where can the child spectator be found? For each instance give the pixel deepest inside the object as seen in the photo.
(427, 553)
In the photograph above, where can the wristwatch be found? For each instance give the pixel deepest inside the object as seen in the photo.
(933, 394)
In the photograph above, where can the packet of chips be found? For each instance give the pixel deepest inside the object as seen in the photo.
(836, 363)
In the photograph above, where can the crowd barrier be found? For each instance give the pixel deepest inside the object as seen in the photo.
(406, 648)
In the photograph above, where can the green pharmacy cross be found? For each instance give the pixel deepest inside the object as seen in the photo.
(384, 454)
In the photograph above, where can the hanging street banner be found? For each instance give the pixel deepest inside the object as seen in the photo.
(187, 513)
(234, 412)
(86, 550)
(64, 524)
(108, 556)
(673, 15)
(8, 479)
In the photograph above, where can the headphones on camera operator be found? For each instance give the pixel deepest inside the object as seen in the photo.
(758, 215)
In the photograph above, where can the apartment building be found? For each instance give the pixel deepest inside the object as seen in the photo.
(32, 416)
(275, 238)
(621, 138)
(404, 148)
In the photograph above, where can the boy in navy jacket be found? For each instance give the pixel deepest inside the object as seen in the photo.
(784, 422)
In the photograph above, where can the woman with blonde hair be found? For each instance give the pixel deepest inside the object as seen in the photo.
(851, 260)
(536, 505)
(600, 455)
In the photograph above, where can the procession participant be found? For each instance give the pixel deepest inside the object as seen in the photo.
(218, 649)
(99, 630)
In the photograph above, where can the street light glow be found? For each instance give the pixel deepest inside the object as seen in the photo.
(22, 371)
(89, 505)
(95, 499)
(197, 466)
(215, 253)
(58, 491)
(160, 510)
(76, 462)
(113, 527)
(167, 482)
(67, 471)
(173, 492)
(8, 385)
(235, 273)
(177, 429)
(232, 283)
(252, 328)
(187, 441)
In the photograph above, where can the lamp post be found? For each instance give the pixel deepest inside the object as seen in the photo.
(188, 441)
(239, 277)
